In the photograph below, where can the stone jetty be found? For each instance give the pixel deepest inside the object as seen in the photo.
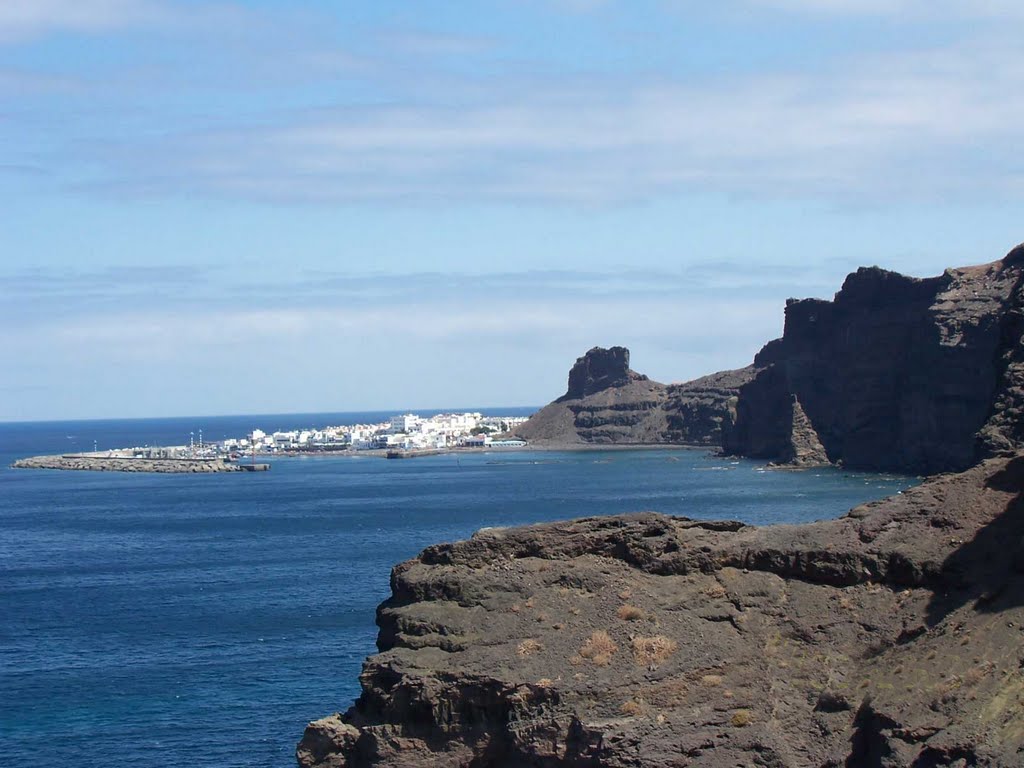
(103, 463)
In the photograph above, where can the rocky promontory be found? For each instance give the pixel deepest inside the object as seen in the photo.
(892, 636)
(607, 403)
(894, 373)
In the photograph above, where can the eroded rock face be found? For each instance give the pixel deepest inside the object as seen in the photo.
(896, 373)
(600, 369)
(695, 410)
(607, 403)
(892, 636)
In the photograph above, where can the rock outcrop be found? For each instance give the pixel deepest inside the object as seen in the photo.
(893, 636)
(598, 370)
(607, 403)
(695, 410)
(896, 373)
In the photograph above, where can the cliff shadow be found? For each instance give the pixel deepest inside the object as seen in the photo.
(987, 570)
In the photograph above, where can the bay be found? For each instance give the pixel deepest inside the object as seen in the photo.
(202, 620)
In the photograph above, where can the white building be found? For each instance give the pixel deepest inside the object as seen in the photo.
(406, 423)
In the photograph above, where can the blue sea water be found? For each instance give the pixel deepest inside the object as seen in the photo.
(202, 620)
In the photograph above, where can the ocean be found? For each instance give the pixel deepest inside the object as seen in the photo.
(203, 620)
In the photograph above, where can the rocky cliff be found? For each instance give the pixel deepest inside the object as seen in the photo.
(890, 637)
(696, 410)
(607, 403)
(893, 636)
(921, 375)
(895, 373)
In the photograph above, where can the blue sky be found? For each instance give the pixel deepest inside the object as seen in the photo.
(267, 206)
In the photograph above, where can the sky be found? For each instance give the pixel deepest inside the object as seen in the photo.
(261, 206)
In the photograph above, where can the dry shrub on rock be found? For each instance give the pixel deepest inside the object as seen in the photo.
(599, 648)
(653, 650)
(633, 708)
(529, 647)
(629, 613)
(740, 718)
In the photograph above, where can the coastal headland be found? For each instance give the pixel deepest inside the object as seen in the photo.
(646, 640)
(895, 373)
(893, 636)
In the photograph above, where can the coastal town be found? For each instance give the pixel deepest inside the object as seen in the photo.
(404, 432)
(402, 436)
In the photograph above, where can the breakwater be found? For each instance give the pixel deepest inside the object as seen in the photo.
(95, 463)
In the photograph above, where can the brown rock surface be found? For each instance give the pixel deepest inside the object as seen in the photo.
(598, 370)
(696, 409)
(896, 373)
(607, 403)
(890, 637)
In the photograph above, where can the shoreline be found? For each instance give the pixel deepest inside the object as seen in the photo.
(547, 447)
(84, 462)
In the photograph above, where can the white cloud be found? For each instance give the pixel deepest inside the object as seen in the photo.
(918, 9)
(918, 125)
(216, 338)
(21, 19)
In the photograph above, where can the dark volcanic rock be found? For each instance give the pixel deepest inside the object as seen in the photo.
(892, 636)
(600, 369)
(694, 411)
(609, 404)
(894, 373)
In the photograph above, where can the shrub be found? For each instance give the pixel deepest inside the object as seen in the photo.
(653, 650)
(716, 591)
(740, 718)
(629, 613)
(599, 648)
(529, 647)
(711, 680)
(632, 708)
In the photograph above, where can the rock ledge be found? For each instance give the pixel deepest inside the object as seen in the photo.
(891, 636)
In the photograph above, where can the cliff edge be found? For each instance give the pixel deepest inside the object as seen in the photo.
(891, 636)
(895, 373)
